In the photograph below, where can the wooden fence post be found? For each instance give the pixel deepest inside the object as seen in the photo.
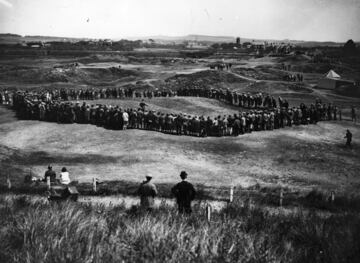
(208, 212)
(48, 183)
(8, 182)
(332, 197)
(231, 198)
(94, 185)
(281, 197)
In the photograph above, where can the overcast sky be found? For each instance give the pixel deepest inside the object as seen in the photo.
(323, 20)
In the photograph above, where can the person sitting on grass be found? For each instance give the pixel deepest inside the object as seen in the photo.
(64, 176)
(50, 173)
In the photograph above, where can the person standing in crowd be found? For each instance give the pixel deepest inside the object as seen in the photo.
(142, 105)
(125, 117)
(184, 193)
(64, 176)
(348, 137)
(147, 192)
(50, 173)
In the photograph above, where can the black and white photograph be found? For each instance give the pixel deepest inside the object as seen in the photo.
(179, 131)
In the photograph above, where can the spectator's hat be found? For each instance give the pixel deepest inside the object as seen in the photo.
(183, 174)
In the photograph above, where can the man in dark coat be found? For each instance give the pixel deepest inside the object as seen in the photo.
(50, 173)
(184, 193)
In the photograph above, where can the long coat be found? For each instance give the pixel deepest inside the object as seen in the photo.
(147, 192)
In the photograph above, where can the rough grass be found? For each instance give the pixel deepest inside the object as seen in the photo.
(35, 231)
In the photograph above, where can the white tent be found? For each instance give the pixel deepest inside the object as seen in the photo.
(331, 80)
(332, 74)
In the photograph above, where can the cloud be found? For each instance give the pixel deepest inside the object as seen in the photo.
(6, 3)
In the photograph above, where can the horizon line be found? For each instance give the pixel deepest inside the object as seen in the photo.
(178, 36)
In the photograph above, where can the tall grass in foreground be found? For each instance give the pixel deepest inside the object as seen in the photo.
(35, 231)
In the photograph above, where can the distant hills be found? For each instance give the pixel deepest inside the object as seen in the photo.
(14, 39)
(200, 38)
(228, 39)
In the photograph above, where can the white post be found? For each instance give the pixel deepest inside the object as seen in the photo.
(231, 194)
(8, 182)
(250, 203)
(208, 213)
(281, 197)
(48, 183)
(94, 184)
(332, 198)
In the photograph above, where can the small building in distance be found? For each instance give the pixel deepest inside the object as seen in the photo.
(332, 80)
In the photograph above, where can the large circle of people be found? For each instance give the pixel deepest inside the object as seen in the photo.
(258, 112)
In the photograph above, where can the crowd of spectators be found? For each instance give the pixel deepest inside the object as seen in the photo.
(256, 113)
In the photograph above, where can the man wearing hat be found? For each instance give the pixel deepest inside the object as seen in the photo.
(184, 193)
(147, 192)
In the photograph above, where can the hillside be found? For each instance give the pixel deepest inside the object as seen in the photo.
(15, 39)
(18, 39)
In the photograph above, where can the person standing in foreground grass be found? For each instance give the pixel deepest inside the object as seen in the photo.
(184, 193)
(147, 192)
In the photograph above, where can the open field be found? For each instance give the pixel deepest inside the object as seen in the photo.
(301, 157)
(305, 156)
(305, 163)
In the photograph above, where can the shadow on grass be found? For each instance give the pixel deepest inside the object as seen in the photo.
(30, 158)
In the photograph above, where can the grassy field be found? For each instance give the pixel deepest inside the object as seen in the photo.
(306, 162)
(299, 157)
(32, 230)
(185, 105)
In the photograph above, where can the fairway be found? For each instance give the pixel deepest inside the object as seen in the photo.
(300, 157)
